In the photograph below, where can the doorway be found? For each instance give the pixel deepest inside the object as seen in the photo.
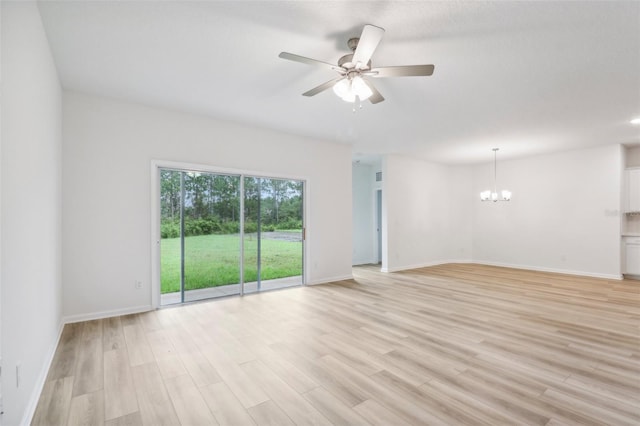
(228, 234)
(379, 224)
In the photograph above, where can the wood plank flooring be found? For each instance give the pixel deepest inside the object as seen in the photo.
(453, 344)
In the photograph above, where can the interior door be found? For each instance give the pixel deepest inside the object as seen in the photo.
(379, 224)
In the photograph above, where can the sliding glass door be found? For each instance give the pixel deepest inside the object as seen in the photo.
(200, 229)
(203, 250)
(273, 241)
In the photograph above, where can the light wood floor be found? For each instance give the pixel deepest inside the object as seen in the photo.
(453, 344)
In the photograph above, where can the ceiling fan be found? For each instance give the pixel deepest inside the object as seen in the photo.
(353, 83)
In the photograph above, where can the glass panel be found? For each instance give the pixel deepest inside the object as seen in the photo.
(273, 239)
(281, 236)
(211, 235)
(170, 254)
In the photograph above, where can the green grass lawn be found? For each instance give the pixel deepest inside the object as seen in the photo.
(213, 260)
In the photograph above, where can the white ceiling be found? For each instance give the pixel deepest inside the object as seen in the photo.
(528, 77)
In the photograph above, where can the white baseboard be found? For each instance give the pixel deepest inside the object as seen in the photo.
(424, 265)
(552, 270)
(30, 409)
(106, 314)
(507, 265)
(363, 262)
(331, 279)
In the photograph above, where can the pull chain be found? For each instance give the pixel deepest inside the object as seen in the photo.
(357, 100)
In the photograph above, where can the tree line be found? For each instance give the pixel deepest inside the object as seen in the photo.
(211, 203)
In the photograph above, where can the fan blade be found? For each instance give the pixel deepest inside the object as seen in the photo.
(304, 60)
(402, 71)
(369, 40)
(376, 97)
(322, 87)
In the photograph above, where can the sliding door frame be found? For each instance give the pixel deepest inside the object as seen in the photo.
(157, 165)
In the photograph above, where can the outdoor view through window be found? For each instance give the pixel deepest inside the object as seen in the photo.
(201, 254)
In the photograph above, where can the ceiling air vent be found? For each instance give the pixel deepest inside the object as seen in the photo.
(378, 176)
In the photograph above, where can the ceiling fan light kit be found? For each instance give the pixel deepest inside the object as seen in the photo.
(489, 195)
(349, 89)
(355, 69)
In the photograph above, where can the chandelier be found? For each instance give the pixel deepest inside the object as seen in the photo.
(489, 195)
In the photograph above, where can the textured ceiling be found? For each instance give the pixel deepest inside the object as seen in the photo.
(528, 77)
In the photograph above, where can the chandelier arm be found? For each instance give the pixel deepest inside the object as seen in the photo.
(495, 170)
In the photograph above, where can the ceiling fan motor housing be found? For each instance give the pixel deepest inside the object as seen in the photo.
(353, 43)
(346, 61)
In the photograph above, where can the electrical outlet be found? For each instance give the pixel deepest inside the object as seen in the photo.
(138, 284)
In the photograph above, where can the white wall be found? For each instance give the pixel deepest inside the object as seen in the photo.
(633, 156)
(425, 209)
(462, 197)
(107, 153)
(363, 199)
(564, 215)
(31, 207)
